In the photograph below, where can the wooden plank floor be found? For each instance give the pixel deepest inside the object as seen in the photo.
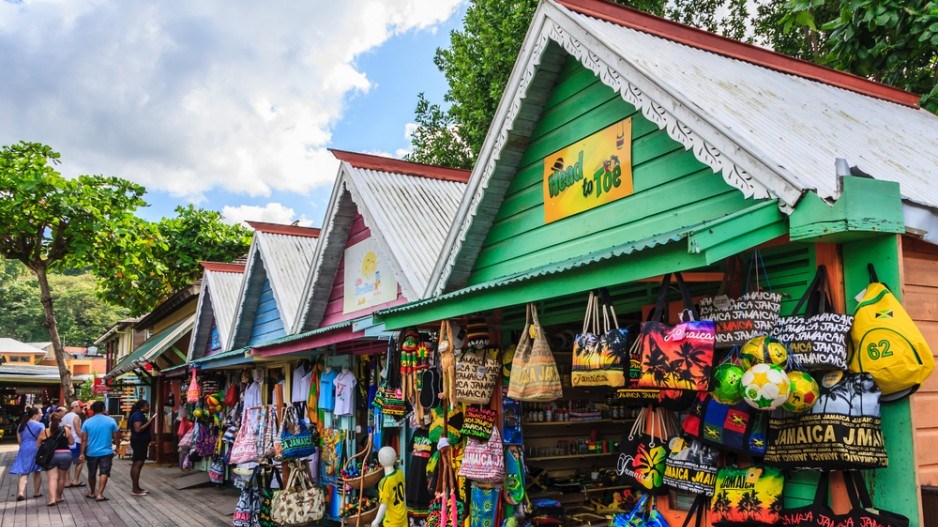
(165, 506)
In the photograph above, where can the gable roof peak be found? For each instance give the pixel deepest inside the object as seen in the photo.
(388, 164)
(224, 267)
(705, 40)
(289, 230)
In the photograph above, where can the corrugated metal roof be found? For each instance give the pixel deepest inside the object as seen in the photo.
(8, 345)
(153, 346)
(799, 125)
(287, 260)
(409, 217)
(546, 270)
(412, 214)
(300, 336)
(224, 288)
(768, 133)
(225, 355)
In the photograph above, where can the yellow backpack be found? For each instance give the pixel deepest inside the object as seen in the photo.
(887, 344)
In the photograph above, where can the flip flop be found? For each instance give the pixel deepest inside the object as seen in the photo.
(21, 498)
(101, 499)
(37, 495)
(90, 496)
(51, 504)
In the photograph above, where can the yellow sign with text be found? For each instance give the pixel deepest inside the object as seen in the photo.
(591, 172)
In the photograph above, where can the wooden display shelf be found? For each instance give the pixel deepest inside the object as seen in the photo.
(572, 423)
(601, 489)
(570, 456)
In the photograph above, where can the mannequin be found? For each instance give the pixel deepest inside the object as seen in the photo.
(393, 510)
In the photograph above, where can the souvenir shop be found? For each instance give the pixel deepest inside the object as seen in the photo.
(684, 338)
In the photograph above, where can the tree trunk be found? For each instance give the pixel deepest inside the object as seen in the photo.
(53, 327)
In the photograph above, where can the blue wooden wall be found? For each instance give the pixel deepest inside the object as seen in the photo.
(267, 323)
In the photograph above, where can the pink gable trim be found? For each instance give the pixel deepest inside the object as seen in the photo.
(317, 341)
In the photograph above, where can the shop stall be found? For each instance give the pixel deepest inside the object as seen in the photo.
(628, 205)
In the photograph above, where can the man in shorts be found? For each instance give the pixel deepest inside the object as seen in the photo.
(73, 419)
(98, 436)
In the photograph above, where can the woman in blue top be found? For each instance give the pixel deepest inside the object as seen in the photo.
(27, 433)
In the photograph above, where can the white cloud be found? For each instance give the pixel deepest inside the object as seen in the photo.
(191, 96)
(270, 213)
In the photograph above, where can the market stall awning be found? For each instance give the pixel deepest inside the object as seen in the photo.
(359, 329)
(34, 374)
(705, 243)
(235, 357)
(153, 346)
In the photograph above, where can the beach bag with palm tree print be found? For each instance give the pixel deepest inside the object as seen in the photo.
(600, 357)
(678, 357)
(642, 455)
(842, 431)
(747, 496)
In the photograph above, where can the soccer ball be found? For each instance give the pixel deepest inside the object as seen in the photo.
(765, 386)
(803, 393)
(726, 381)
(763, 350)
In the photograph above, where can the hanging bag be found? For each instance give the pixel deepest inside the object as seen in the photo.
(586, 346)
(300, 502)
(887, 344)
(676, 357)
(216, 471)
(747, 496)
(484, 461)
(244, 449)
(753, 314)
(477, 372)
(842, 431)
(818, 337)
(691, 466)
(266, 495)
(534, 375)
(193, 393)
(738, 427)
(642, 455)
(863, 513)
(614, 345)
(297, 439)
(248, 507)
(643, 514)
(478, 422)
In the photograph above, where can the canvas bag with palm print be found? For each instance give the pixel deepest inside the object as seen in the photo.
(842, 431)
(747, 496)
(644, 451)
(678, 357)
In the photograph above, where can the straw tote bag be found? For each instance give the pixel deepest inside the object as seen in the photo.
(534, 375)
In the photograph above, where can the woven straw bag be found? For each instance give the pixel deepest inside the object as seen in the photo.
(534, 374)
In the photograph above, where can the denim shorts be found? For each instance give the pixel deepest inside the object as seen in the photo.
(62, 459)
(76, 452)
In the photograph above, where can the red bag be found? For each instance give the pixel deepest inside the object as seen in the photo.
(231, 396)
(194, 393)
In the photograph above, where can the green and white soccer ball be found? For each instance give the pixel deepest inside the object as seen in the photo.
(765, 386)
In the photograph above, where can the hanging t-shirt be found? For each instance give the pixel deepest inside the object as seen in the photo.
(299, 388)
(391, 493)
(252, 396)
(327, 390)
(345, 393)
(419, 496)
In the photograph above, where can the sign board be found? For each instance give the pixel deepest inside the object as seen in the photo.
(369, 280)
(99, 388)
(589, 173)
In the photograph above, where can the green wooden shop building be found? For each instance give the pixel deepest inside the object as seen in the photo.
(626, 147)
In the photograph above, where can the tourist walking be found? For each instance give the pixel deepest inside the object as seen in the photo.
(73, 419)
(27, 435)
(98, 436)
(141, 425)
(62, 459)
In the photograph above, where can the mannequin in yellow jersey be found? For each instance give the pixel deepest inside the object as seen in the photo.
(393, 510)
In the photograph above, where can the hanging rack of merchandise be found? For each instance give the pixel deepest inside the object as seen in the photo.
(710, 410)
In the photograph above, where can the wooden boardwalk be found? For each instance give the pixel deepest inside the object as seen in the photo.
(165, 506)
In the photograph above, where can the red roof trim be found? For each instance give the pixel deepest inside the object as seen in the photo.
(292, 230)
(222, 267)
(387, 164)
(707, 41)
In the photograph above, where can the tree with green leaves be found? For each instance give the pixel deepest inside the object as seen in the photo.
(48, 221)
(82, 317)
(889, 41)
(160, 266)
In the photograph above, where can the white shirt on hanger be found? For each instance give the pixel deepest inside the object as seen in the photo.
(345, 393)
(299, 388)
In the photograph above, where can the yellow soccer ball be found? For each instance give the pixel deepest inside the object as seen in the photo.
(763, 350)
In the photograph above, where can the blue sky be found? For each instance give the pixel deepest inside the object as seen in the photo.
(229, 105)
